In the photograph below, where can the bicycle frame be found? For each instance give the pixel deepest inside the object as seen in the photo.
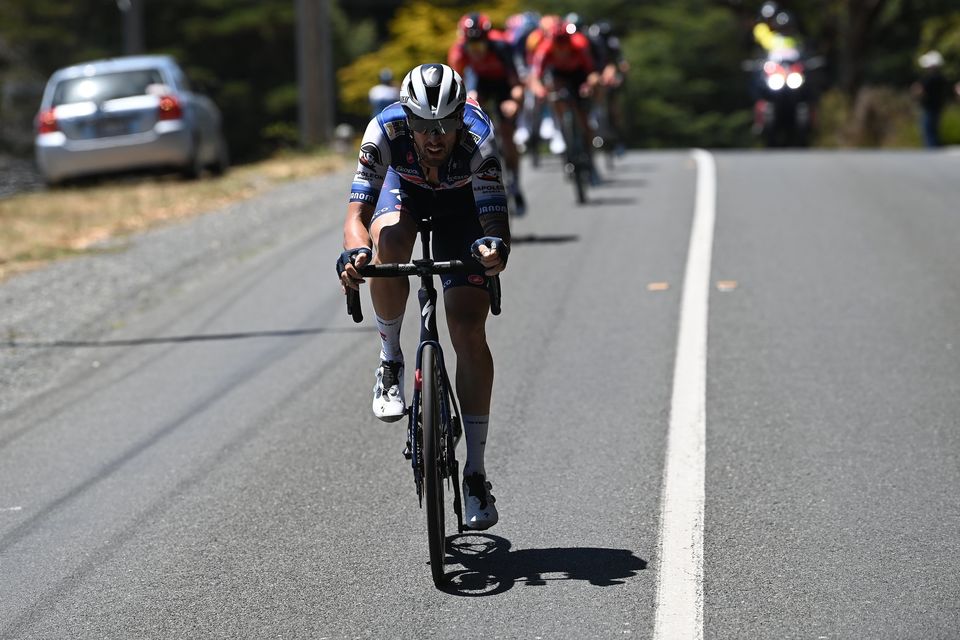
(449, 410)
(450, 423)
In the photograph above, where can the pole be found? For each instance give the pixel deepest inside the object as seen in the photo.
(315, 71)
(133, 26)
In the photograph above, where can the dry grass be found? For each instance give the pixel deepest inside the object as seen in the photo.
(36, 228)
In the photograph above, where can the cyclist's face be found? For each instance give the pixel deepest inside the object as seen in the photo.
(435, 147)
(476, 48)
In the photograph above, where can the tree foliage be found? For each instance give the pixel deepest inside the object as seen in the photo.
(420, 32)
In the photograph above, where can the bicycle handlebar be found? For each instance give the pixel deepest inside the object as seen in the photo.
(422, 268)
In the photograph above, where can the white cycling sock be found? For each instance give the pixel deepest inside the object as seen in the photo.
(475, 429)
(390, 339)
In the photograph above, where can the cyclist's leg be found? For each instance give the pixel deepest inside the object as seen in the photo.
(467, 303)
(393, 231)
(509, 115)
(466, 309)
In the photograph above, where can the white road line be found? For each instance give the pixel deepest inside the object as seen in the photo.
(679, 612)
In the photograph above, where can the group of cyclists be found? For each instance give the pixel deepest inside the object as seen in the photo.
(514, 73)
(431, 152)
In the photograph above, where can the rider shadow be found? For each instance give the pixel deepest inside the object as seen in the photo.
(612, 201)
(618, 181)
(491, 568)
(543, 239)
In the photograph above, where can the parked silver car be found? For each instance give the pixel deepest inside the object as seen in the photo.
(127, 113)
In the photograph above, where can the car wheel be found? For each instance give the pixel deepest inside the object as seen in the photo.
(194, 169)
(222, 162)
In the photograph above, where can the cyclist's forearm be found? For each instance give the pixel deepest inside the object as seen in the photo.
(497, 226)
(355, 225)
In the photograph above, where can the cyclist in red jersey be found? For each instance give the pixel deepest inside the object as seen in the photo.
(565, 57)
(484, 57)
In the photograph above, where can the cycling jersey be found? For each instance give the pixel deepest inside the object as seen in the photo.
(574, 60)
(496, 65)
(382, 96)
(390, 178)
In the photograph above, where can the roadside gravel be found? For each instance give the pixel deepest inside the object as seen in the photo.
(45, 313)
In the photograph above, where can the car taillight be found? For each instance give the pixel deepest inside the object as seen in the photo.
(47, 122)
(170, 108)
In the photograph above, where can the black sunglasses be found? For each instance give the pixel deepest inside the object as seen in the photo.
(430, 126)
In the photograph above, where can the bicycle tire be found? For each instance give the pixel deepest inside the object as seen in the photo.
(576, 155)
(580, 182)
(433, 472)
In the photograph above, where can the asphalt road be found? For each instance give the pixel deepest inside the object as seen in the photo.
(187, 449)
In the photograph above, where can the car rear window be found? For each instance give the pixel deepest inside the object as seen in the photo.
(106, 86)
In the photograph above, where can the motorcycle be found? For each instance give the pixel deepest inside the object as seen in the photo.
(784, 108)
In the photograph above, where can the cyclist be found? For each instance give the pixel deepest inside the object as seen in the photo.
(613, 68)
(565, 56)
(485, 59)
(431, 154)
(541, 121)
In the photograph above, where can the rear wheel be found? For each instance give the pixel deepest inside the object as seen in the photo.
(432, 463)
(194, 167)
(222, 163)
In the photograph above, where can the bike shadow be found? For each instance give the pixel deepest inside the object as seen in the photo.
(490, 567)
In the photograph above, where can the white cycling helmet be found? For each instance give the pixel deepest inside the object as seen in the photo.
(432, 91)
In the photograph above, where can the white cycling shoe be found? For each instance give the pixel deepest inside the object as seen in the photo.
(481, 508)
(388, 402)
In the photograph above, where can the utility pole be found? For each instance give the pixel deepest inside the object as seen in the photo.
(315, 71)
(133, 26)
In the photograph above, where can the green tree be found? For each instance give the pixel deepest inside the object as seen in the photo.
(421, 31)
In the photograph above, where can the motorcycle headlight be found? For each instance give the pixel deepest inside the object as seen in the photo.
(776, 82)
(794, 80)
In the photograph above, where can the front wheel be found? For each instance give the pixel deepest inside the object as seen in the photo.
(432, 463)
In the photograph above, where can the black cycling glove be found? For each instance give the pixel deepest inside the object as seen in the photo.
(491, 242)
(348, 256)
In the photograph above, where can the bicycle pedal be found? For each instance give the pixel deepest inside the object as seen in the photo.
(407, 453)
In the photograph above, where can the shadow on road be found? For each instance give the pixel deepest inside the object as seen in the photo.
(612, 201)
(138, 342)
(491, 568)
(535, 239)
(617, 181)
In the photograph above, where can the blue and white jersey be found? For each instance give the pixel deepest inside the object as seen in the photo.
(381, 97)
(473, 164)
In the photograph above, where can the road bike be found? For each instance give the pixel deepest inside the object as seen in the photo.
(434, 426)
(577, 164)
